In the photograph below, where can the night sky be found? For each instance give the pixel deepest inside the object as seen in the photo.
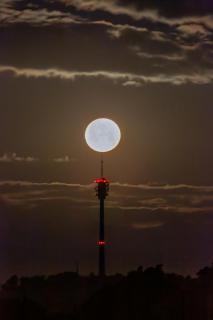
(148, 65)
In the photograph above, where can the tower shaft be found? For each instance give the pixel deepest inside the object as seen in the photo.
(102, 268)
(102, 189)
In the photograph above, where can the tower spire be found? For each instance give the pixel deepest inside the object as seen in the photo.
(102, 165)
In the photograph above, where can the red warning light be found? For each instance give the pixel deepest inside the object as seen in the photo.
(102, 180)
(101, 243)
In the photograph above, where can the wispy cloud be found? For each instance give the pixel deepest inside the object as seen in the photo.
(44, 16)
(175, 209)
(127, 198)
(30, 194)
(65, 159)
(110, 6)
(132, 83)
(117, 8)
(117, 30)
(147, 225)
(164, 186)
(197, 78)
(38, 17)
(194, 29)
(13, 157)
(169, 57)
(9, 157)
(22, 183)
(180, 198)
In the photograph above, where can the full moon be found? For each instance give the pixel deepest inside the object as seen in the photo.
(102, 135)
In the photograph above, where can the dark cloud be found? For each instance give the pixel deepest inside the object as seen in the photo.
(184, 44)
(136, 8)
(183, 49)
(37, 13)
(176, 8)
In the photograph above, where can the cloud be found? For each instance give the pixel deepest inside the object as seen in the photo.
(125, 198)
(171, 57)
(65, 159)
(38, 17)
(60, 12)
(154, 198)
(21, 183)
(193, 29)
(132, 83)
(13, 157)
(196, 78)
(171, 209)
(184, 34)
(174, 13)
(110, 6)
(29, 194)
(117, 30)
(147, 225)
(138, 9)
(30, 200)
(159, 187)
(176, 35)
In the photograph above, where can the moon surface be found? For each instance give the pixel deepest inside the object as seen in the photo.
(102, 135)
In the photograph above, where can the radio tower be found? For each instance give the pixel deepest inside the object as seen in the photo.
(102, 189)
(102, 135)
